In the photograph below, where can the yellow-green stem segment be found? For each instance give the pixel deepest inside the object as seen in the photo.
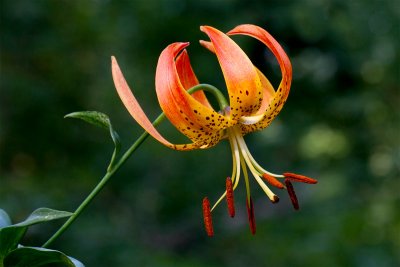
(205, 87)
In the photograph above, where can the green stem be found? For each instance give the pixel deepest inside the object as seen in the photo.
(114, 167)
(214, 91)
(102, 183)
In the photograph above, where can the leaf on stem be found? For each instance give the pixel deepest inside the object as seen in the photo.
(11, 235)
(103, 121)
(36, 257)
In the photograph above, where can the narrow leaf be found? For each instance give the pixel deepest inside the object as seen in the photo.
(93, 117)
(101, 120)
(43, 215)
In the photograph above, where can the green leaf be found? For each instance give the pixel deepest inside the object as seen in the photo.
(101, 120)
(11, 235)
(93, 117)
(38, 257)
(43, 215)
(4, 219)
(9, 239)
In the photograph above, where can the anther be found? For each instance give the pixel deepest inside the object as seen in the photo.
(250, 213)
(292, 194)
(207, 217)
(229, 197)
(299, 178)
(272, 180)
(275, 199)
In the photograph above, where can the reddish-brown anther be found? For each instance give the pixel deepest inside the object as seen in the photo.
(229, 197)
(292, 194)
(250, 213)
(207, 217)
(299, 178)
(272, 180)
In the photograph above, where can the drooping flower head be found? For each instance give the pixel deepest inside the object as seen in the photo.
(253, 104)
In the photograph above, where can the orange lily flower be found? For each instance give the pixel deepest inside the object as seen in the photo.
(253, 104)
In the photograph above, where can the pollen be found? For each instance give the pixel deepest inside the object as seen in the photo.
(299, 178)
(250, 213)
(207, 217)
(292, 194)
(229, 197)
(272, 180)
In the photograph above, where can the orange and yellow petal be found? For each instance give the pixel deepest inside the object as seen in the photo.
(188, 77)
(242, 81)
(200, 123)
(268, 96)
(282, 92)
(137, 112)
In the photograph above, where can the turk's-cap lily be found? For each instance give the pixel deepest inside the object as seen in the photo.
(253, 104)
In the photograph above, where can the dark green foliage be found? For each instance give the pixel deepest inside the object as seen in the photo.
(13, 254)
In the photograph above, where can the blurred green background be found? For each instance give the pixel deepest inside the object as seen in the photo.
(340, 125)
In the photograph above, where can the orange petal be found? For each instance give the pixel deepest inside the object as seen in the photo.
(282, 93)
(136, 111)
(268, 94)
(198, 122)
(242, 81)
(249, 122)
(260, 120)
(268, 89)
(188, 78)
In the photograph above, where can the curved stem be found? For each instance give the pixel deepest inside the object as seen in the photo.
(114, 167)
(102, 183)
(214, 91)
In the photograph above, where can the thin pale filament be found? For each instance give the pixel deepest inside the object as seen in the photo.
(235, 169)
(256, 175)
(246, 178)
(260, 169)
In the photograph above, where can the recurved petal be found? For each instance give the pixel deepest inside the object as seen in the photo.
(132, 105)
(282, 93)
(198, 122)
(188, 77)
(242, 81)
(268, 95)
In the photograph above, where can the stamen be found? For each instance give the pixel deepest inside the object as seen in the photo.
(275, 199)
(207, 217)
(250, 213)
(236, 167)
(252, 169)
(299, 178)
(229, 197)
(292, 194)
(272, 180)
